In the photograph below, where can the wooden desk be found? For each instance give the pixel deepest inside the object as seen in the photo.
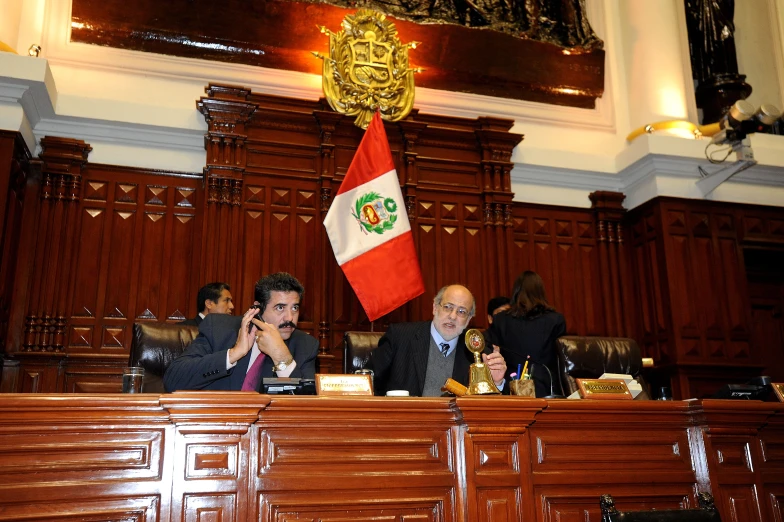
(243, 456)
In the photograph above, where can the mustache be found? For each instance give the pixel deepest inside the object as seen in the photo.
(287, 324)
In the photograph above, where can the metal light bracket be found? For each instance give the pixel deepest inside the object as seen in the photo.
(744, 158)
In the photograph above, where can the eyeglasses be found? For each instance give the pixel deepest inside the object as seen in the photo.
(460, 311)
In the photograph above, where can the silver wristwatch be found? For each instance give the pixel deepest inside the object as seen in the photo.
(282, 365)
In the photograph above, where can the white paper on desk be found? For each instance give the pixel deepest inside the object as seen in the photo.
(634, 387)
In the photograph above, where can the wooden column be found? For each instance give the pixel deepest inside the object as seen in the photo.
(328, 122)
(613, 259)
(227, 112)
(45, 324)
(497, 144)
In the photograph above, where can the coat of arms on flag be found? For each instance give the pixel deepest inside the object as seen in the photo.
(369, 230)
(375, 213)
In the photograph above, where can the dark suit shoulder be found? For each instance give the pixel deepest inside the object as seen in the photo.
(221, 321)
(406, 330)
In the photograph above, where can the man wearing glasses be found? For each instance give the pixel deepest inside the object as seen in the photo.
(420, 357)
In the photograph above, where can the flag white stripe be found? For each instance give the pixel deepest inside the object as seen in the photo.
(349, 242)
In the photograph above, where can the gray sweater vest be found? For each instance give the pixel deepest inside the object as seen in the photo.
(439, 369)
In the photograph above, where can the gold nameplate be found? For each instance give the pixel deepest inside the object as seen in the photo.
(603, 389)
(349, 384)
(779, 389)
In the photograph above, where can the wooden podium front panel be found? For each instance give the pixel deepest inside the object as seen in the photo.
(83, 458)
(642, 456)
(238, 456)
(356, 459)
(734, 440)
(772, 466)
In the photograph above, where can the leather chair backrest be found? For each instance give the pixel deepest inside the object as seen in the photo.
(705, 513)
(590, 357)
(155, 346)
(356, 349)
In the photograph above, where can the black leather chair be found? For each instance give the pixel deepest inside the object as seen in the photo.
(590, 357)
(356, 352)
(356, 349)
(706, 513)
(155, 346)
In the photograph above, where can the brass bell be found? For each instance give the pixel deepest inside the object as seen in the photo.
(481, 381)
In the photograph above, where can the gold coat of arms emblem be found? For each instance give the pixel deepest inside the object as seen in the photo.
(367, 69)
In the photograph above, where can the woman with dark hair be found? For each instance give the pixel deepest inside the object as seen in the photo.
(529, 328)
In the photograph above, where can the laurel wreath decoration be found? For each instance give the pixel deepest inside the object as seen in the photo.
(382, 227)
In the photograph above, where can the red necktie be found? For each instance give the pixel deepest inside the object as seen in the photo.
(253, 376)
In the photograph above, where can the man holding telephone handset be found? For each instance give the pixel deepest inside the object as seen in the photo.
(235, 353)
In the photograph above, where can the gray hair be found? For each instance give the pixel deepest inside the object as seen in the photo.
(440, 295)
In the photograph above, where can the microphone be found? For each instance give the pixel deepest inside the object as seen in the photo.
(552, 395)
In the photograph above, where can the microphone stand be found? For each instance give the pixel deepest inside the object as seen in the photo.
(552, 395)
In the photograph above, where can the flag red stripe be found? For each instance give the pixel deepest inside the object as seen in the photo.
(386, 277)
(372, 159)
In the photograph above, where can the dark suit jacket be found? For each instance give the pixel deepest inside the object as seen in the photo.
(196, 321)
(202, 366)
(519, 337)
(400, 361)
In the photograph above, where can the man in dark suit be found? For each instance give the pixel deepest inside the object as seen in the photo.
(213, 298)
(235, 353)
(419, 357)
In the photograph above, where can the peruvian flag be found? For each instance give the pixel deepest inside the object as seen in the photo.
(368, 227)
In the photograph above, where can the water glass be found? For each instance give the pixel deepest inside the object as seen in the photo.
(132, 379)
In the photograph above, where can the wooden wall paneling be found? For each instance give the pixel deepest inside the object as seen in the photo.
(15, 172)
(703, 265)
(681, 261)
(181, 289)
(731, 279)
(135, 246)
(39, 373)
(8, 168)
(561, 246)
(411, 133)
(22, 276)
(654, 321)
